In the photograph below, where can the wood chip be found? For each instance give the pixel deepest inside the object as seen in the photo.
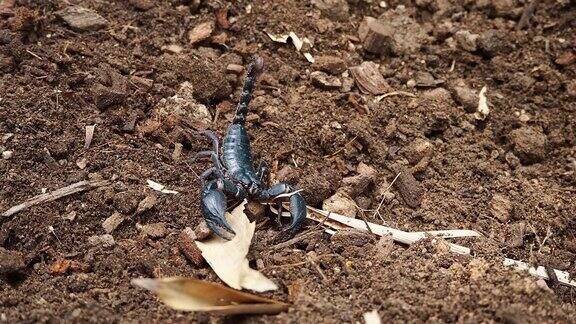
(369, 79)
(112, 222)
(201, 32)
(82, 19)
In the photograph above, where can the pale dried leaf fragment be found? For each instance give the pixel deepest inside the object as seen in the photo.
(482, 110)
(228, 258)
(160, 187)
(201, 32)
(186, 294)
(372, 317)
(89, 135)
(301, 45)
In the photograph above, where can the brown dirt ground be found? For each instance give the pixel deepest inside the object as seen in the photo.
(52, 79)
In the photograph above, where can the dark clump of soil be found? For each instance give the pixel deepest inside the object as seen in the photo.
(130, 68)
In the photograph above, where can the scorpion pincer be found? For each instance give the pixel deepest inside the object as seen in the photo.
(233, 172)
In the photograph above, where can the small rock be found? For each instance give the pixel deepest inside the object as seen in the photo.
(352, 236)
(355, 185)
(493, 42)
(142, 82)
(369, 79)
(235, 68)
(417, 150)
(105, 240)
(63, 266)
(146, 204)
(530, 144)
(142, 4)
(105, 97)
(465, 96)
(325, 81)
(341, 204)
(329, 64)
(392, 33)
(202, 231)
(11, 261)
(425, 80)
(512, 160)
(571, 88)
(6, 155)
(154, 230)
(82, 19)
(112, 222)
(466, 40)
(566, 58)
(201, 32)
(127, 201)
(189, 248)
(500, 207)
(333, 9)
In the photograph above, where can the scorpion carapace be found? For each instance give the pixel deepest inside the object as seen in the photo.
(233, 173)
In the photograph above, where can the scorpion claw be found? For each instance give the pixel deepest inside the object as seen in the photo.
(297, 215)
(213, 209)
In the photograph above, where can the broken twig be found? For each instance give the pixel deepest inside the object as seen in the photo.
(56, 194)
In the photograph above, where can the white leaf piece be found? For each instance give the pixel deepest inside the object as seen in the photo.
(483, 110)
(160, 187)
(372, 317)
(228, 258)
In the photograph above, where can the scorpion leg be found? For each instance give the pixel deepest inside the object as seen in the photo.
(297, 208)
(219, 168)
(263, 172)
(206, 174)
(212, 136)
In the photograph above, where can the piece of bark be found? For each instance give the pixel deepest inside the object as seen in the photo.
(408, 186)
(369, 79)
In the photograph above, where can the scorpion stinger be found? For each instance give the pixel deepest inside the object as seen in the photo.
(233, 172)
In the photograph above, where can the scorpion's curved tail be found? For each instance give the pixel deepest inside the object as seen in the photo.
(254, 70)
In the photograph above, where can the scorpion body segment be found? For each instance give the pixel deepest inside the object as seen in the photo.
(233, 172)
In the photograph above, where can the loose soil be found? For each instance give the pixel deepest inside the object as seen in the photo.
(511, 177)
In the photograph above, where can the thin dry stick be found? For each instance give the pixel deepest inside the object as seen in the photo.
(394, 93)
(56, 194)
(342, 148)
(313, 262)
(294, 240)
(382, 201)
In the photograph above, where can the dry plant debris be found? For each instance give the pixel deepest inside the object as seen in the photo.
(228, 258)
(302, 46)
(337, 222)
(56, 194)
(186, 294)
(160, 187)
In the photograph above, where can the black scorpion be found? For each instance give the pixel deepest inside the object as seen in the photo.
(233, 172)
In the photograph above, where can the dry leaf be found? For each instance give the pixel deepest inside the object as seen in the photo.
(228, 258)
(303, 45)
(160, 187)
(369, 79)
(483, 110)
(201, 32)
(194, 295)
(89, 135)
(372, 317)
